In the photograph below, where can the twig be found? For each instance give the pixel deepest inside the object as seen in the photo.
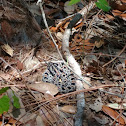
(73, 63)
(15, 70)
(45, 22)
(118, 95)
(101, 54)
(66, 95)
(2, 121)
(118, 69)
(8, 64)
(13, 86)
(118, 117)
(115, 57)
(90, 25)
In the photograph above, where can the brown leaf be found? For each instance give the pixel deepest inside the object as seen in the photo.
(45, 87)
(53, 29)
(12, 15)
(109, 17)
(118, 4)
(119, 14)
(30, 62)
(6, 30)
(5, 76)
(49, 115)
(12, 121)
(7, 49)
(98, 44)
(113, 114)
(69, 109)
(123, 1)
(20, 65)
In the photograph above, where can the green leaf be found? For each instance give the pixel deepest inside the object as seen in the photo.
(3, 90)
(103, 4)
(16, 102)
(73, 2)
(4, 104)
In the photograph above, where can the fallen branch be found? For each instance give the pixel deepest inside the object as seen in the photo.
(45, 22)
(75, 66)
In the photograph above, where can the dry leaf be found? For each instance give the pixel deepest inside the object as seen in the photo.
(68, 109)
(12, 121)
(113, 114)
(98, 44)
(49, 115)
(97, 106)
(109, 17)
(123, 1)
(118, 4)
(68, 9)
(45, 88)
(7, 49)
(30, 62)
(39, 121)
(117, 106)
(59, 35)
(20, 65)
(8, 125)
(11, 15)
(67, 122)
(87, 81)
(34, 9)
(53, 29)
(11, 76)
(7, 29)
(120, 14)
(5, 76)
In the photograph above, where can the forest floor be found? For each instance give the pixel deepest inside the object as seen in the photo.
(37, 88)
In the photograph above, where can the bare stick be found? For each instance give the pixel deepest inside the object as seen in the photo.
(73, 63)
(45, 22)
(115, 57)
